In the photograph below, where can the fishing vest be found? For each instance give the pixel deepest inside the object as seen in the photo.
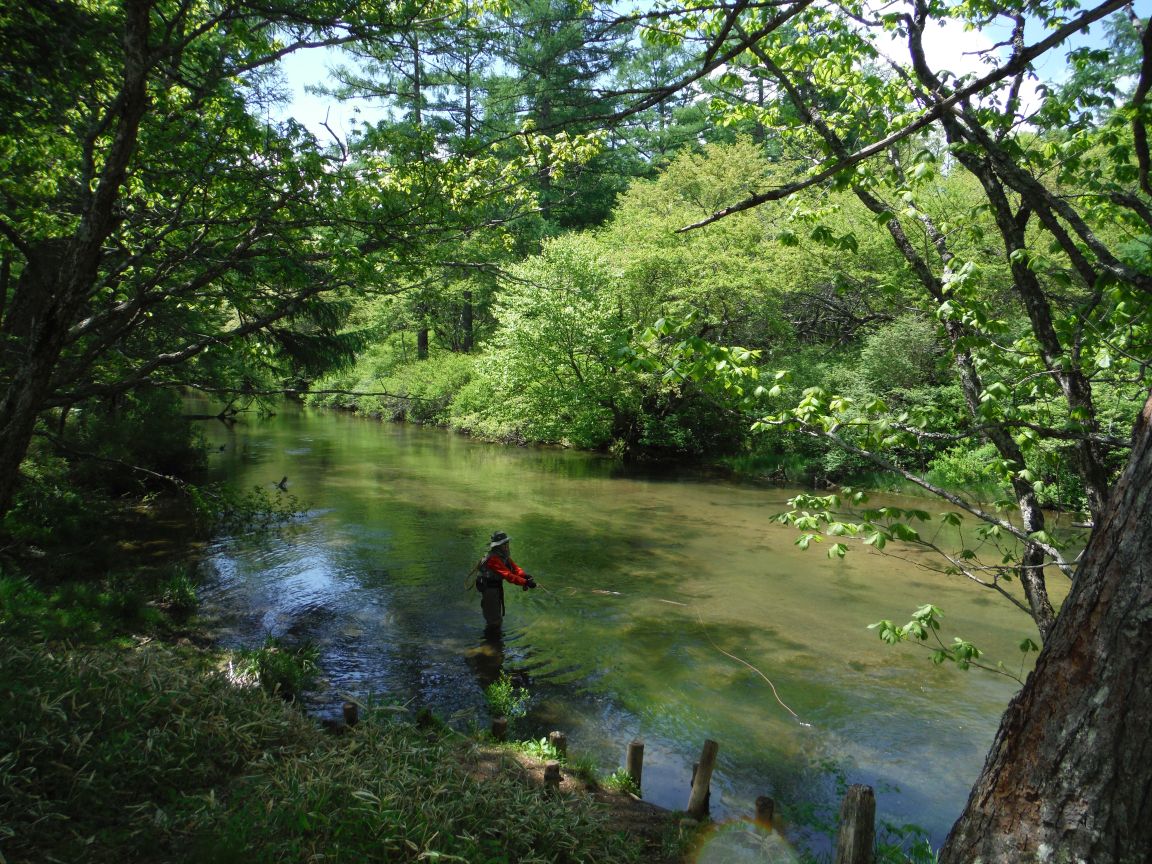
(485, 578)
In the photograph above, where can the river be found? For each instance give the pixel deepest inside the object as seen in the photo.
(671, 609)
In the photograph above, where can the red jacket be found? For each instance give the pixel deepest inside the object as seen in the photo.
(505, 569)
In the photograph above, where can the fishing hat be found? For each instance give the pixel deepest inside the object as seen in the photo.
(498, 539)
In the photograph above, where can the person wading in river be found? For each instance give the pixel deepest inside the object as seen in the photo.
(496, 569)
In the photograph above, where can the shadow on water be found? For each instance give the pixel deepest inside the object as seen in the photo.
(671, 609)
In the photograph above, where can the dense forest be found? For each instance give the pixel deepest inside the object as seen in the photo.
(799, 239)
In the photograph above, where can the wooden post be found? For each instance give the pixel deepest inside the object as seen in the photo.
(707, 795)
(857, 832)
(765, 810)
(552, 774)
(635, 763)
(351, 714)
(698, 800)
(499, 728)
(560, 741)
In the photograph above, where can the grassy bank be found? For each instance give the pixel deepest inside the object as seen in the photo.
(156, 753)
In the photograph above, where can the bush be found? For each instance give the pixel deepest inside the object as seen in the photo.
(421, 391)
(966, 468)
(76, 612)
(48, 509)
(506, 699)
(904, 354)
(621, 781)
(178, 593)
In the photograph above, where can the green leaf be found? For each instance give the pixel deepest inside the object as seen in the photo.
(904, 532)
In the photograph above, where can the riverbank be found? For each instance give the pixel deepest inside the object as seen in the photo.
(157, 752)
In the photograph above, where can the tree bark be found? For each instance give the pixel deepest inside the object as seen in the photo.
(1069, 776)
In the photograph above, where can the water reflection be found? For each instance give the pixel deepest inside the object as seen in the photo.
(666, 602)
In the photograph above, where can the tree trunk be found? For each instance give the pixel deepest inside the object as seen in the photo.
(59, 272)
(467, 324)
(422, 342)
(1069, 776)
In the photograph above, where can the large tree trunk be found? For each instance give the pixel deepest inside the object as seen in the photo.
(59, 272)
(1069, 777)
(32, 335)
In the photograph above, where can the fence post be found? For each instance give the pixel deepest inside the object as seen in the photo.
(635, 764)
(552, 774)
(765, 810)
(857, 833)
(499, 728)
(559, 741)
(698, 800)
(351, 714)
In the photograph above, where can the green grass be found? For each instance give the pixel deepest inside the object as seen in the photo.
(280, 669)
(152, 754)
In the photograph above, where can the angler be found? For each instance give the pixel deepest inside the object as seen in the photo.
(496, 568)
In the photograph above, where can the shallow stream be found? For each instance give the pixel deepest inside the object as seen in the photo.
(671, 609)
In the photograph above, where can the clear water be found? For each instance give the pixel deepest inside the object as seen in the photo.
(660, 591)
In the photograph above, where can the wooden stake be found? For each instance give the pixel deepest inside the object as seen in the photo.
(351, 714)
(552, 774)
(765, 810)
(635, 764)
(698, 800)
(560, 741)
(857, 832)
(499, 728)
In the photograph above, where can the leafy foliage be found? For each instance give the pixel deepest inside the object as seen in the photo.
(621, 781)
(507, 699)
(924, 628)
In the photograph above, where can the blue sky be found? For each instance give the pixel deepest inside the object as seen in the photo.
(951, 48)
(310, 66)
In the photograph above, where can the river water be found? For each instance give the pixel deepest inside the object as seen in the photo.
(671, 610)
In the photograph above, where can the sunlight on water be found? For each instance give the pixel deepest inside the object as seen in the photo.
(671, 609)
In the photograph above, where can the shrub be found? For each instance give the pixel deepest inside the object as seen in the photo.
(178, 593)
(146, 429)
(966, 468)
(506, 699)
(48, 508)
